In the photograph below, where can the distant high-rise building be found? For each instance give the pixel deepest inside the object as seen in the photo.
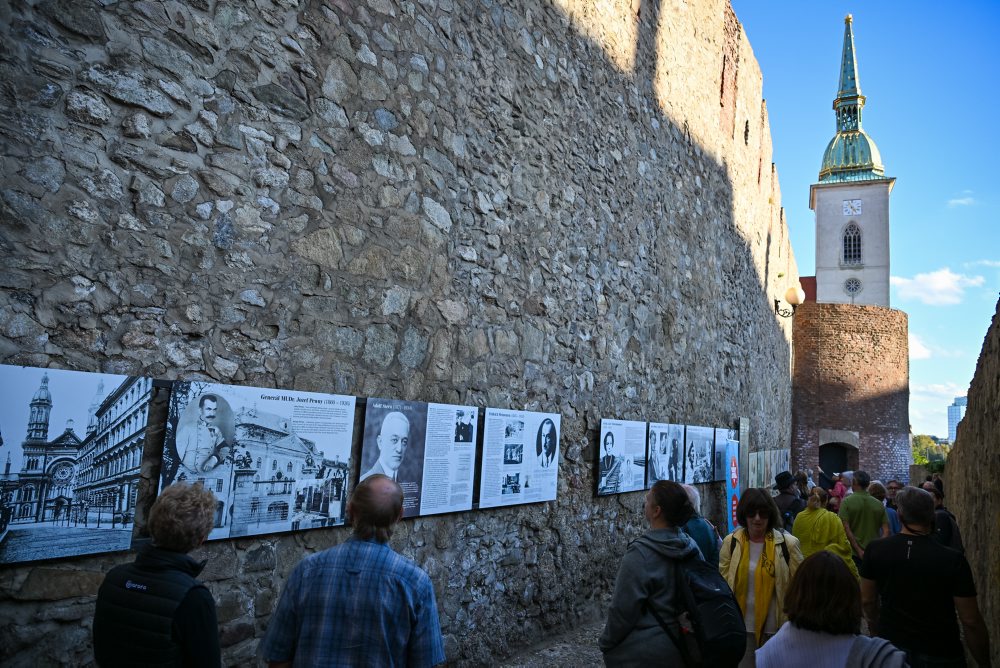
(955, 414)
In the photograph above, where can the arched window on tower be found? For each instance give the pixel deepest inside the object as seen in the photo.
(852, 244)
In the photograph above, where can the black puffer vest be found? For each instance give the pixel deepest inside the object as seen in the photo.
(133, 623)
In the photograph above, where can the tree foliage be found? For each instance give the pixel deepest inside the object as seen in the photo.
(927, 452)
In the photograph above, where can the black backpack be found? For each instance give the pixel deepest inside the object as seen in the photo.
(712, 630)
(788, 517)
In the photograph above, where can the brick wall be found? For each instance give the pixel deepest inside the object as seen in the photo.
(851, 373)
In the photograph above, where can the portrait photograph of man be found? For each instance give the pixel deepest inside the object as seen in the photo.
(276, 460)
(464, 425)
(202, 439)
(393, 446)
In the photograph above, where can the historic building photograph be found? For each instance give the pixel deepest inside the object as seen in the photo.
(276, 460)
(69, 484)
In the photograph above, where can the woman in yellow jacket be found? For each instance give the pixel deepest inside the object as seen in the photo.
(758, 561)
(819, 529)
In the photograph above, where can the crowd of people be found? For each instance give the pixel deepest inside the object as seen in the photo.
(830, 576)
(852, 572)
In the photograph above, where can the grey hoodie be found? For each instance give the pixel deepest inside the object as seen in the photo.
(646, 577)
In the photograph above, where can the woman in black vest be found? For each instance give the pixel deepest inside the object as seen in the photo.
(153, 612)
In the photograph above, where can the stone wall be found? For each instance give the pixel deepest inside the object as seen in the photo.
(851, 374)
(543, 205)
(970, 476)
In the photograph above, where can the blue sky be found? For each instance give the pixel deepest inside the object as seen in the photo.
(929, 73)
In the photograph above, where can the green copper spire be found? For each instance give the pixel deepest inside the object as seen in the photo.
(851, 155)
(849, 65)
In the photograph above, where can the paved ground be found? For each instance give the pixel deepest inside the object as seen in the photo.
(46, 542)
(576, 648)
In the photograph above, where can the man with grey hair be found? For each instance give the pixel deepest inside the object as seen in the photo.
(701, 530)
(863, 516)
(912, 587)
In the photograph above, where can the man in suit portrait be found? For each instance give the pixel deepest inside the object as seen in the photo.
(392, 439)
(546, 443)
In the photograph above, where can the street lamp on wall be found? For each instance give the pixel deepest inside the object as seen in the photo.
(794, 296)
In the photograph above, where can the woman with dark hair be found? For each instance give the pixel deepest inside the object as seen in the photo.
(818, 529)
(758, 560)
(646, 582)
(823, 605)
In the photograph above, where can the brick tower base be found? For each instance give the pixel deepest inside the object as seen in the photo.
(851, 390)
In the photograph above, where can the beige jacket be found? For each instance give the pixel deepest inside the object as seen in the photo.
(732, 549)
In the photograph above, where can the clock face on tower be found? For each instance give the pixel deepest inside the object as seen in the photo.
(852, 207)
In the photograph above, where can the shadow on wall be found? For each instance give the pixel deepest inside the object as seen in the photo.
(460, 201)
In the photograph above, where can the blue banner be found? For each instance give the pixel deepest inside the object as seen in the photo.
(732, 481)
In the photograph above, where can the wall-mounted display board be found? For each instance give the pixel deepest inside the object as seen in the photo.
(277, 460)
(429, 449)
(732, 481)
(666, 453)
(699, 454)
(520, 457)
(622, 457)
(754, 475)
(70, 450)
(725, 439)
(765, 464)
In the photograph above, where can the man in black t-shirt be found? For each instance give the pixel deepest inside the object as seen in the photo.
(911, 588)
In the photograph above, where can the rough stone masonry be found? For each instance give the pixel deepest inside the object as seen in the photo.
(543, 204)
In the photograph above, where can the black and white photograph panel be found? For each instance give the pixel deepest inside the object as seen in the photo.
(622, 457)
(277, 460)
(511, 484)
(723, 438)
(698, 454)
(393, 445)
(520, 462)
(465, 421)
(666, 452)
(70, 447)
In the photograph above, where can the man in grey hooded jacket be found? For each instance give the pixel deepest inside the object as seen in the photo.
(646, 580)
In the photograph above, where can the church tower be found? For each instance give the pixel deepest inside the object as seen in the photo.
(39, 411)
(851, 201)
(851, 373)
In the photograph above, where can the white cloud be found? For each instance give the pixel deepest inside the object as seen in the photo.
(938, 391)
(965, 200)
(918, 350)
(929, 406)
(984, 263)
(937, 287)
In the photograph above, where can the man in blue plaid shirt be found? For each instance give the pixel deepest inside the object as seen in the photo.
(359, 603)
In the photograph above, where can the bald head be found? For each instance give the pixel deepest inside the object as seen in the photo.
(376, 504)
(392, 440)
